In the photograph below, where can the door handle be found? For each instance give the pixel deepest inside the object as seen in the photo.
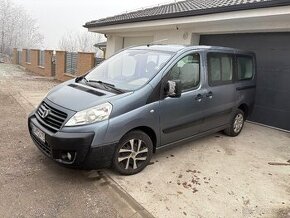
(209, 95)
(199, 97)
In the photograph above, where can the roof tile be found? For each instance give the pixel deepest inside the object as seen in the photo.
(185, 8)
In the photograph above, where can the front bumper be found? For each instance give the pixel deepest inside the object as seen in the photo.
(78, 145)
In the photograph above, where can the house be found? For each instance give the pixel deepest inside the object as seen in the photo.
(262, 26)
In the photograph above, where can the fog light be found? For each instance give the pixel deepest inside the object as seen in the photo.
(67, 156)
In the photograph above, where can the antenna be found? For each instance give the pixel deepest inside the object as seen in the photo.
(156, 42)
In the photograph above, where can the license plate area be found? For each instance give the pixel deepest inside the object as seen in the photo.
(38, 133)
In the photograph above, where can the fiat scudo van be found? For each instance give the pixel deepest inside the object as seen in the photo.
(144, 99)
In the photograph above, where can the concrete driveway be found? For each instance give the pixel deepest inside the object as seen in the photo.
(217, 176)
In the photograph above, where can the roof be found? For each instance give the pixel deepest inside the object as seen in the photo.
(185, 9)
(101, 45)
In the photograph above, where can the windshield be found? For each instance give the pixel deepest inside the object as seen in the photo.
(129, 69)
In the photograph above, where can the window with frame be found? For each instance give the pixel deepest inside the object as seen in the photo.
(220, 68)
(245, 67)
(187, 70)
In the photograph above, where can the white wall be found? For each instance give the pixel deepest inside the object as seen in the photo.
(137, 40)
(118, 41)
(114, 43)
(180, 30)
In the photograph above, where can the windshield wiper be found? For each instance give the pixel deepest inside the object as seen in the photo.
(106, 85)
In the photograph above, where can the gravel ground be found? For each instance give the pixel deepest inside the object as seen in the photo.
(30, 184)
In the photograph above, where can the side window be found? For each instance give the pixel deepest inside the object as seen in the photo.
(220, 68)
(187, 70)
(245, 67)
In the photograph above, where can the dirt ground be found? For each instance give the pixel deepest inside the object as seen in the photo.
(30, 184)
(216, 176)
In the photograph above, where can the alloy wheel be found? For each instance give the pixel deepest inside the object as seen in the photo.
(132, 154)
(238, 123)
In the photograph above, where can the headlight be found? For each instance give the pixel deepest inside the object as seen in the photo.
(91, 115)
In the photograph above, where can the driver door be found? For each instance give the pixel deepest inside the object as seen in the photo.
(182, 117)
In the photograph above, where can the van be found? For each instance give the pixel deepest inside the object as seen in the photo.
(144, 99)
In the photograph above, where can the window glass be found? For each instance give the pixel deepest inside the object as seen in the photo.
(215, 66)
(245, 68)
(130, 69)
(220, 68)
(187, 71)
(227, 68)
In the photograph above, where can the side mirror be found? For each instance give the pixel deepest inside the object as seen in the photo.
(173, 88)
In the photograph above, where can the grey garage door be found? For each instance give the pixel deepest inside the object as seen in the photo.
(273, 81)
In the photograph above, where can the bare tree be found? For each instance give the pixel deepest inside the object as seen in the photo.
(17, 28)
(80, 41)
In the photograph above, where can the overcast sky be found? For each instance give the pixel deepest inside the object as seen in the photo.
(57, 17)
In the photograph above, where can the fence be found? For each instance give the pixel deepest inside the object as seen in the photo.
(19, 57)
(58, 64)
(28, 57)
(41, 58)
(98, 61)
(71, 62)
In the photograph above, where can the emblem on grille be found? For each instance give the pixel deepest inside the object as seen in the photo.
(45, 113)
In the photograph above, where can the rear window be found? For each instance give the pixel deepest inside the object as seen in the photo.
(220, 68)
(245, 68)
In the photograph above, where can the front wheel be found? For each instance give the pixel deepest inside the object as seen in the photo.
(237, 124)
(133, 153)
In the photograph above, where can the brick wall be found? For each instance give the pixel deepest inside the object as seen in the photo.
(85, 62)
(14, 57)
(33, 66)
(60, 73)
(23, 62)
(48, 54)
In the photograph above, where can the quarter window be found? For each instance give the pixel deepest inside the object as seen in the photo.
(186, 70)
(220, 68)
(245, 68)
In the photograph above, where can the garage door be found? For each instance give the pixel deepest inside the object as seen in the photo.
(273, 80)
(134, 41)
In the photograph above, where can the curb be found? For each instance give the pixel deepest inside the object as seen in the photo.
(124, 203)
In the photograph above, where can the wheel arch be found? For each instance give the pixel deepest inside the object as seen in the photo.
(245, 108)
(149, 131)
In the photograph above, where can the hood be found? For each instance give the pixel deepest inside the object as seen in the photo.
(77, 97)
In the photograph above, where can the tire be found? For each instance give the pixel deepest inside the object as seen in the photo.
(133, 153)
(237, 124)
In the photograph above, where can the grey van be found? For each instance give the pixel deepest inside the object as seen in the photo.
(144, 99)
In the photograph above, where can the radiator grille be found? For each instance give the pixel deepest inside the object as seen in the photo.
(54, 118)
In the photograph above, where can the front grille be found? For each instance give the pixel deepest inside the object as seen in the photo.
(42, 146)
(55, 118)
